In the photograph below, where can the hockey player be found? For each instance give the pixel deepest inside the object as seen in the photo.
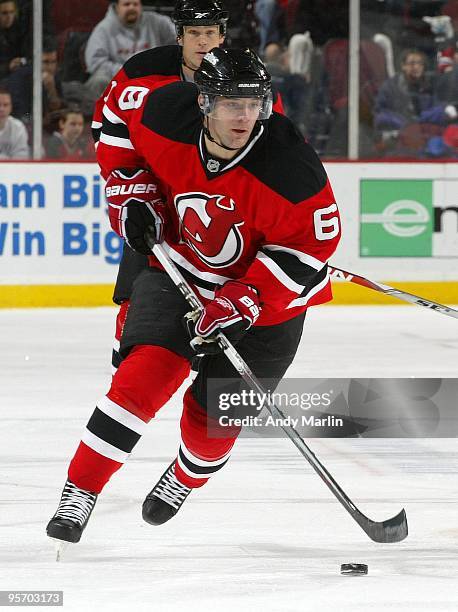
(249, 218)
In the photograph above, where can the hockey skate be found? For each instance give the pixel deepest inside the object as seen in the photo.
(167, 497)
(72, 515)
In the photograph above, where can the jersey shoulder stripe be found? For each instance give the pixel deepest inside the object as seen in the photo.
(172, 112)
(286, 163)
(165, 61)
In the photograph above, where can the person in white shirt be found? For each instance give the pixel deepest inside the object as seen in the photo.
(13, 135)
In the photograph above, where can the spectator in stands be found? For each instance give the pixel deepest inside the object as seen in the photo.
(14, 42)
(124, 31)
(292, 87)
(407, 109)
(447, 82)
(20, 84)
(52, 85)
(68, 142)
(13, 135)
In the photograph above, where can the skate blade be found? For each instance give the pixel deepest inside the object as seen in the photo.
(60, 546)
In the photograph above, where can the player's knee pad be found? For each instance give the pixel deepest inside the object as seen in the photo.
(146, 379)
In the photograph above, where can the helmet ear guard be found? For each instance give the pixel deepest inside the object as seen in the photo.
(205, 105)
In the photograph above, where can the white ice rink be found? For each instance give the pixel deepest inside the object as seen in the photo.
(265, 534)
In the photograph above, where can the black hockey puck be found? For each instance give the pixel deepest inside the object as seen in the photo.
(353, 569)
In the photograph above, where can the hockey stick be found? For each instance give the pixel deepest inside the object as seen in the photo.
(397, 293)
(392, 530)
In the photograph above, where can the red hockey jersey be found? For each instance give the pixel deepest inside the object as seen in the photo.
(267, 217)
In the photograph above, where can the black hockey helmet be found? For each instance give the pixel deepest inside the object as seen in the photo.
(199, 13)
(237, 73)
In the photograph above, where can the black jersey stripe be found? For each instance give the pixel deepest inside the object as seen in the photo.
(316, 279)
(96, 134)
(112, 432)
(196, 280)
(300, 272)
(118, 130)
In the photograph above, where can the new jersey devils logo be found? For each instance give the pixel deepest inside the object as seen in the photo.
(210, 226)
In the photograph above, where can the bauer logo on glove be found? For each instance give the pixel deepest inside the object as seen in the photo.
(233, 311)
(135, 205)
(130, 189)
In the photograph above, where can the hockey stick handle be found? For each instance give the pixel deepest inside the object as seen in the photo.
(337, 273)
(245, 372)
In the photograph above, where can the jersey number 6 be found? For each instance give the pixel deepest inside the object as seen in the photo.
(326, 229)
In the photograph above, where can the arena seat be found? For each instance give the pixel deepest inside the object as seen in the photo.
(77, 14)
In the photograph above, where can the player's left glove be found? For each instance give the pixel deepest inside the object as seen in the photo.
(135, 205)
(233, 311)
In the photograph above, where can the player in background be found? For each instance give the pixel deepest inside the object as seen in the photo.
(250, 219)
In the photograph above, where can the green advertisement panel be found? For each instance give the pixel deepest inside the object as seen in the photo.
(396, 218)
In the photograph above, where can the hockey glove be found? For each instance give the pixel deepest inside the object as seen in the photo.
(135, 204)
(233, 311)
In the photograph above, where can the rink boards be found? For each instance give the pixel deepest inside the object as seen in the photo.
(399, 222)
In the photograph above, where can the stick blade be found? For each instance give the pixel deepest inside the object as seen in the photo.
(392, 530)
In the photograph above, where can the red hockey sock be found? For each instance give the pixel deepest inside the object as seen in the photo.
(145, 381)
(201, 453)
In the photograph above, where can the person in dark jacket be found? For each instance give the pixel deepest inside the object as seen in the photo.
(14, 43)
(408, 113)
(409, 96)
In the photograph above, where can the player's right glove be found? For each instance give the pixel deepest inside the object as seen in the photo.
(233, 311)
(135, 205)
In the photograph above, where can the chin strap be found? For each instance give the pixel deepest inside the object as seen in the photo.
(186, 65)
(210, 137)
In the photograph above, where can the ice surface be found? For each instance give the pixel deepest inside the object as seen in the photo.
(265, 534)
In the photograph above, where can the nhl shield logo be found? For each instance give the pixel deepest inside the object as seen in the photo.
(209, 225)
(213, 165)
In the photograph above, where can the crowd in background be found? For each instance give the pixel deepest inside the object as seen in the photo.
(408, 103)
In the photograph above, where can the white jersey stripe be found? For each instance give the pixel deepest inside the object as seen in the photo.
(311, 261)
(279, 273)
(209, 295)
(115, 141)
(110, 115)
(302, 301)
(184, 263)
